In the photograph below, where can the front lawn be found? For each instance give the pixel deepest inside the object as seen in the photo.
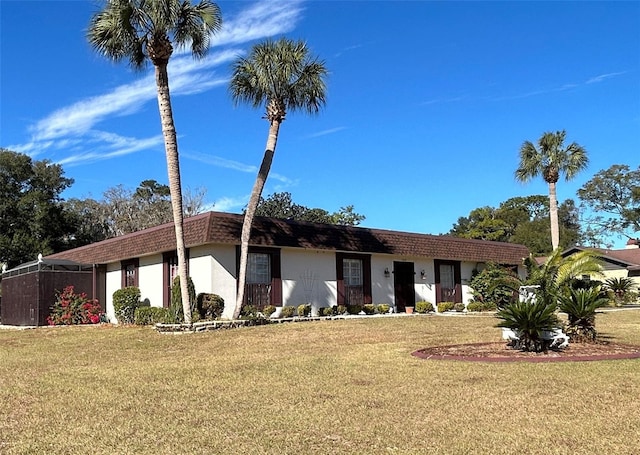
(326, 387)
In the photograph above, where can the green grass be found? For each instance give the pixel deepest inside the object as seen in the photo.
(329, 387)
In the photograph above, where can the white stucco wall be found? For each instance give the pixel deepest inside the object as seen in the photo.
(308, 276)
(150, 279)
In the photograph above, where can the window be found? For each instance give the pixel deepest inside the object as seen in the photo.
(129, 273)
(259, 268)
(353, 272)
(263, 282)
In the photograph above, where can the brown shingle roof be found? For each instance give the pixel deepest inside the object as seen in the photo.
(225, 228)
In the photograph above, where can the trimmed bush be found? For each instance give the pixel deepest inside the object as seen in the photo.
(341, 309)
(176, 298)
(304, 310)
(445, 306)
(149, 315)
(354, 309)
(288, 311)
(382, 308)
(458, 306)
(369, 308)
(326, 311)
(209, 306)
(125, 302)
(423, 307)
(249, 312)
(475, 306)
(268, 311)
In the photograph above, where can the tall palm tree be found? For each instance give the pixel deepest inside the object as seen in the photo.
(145, 30)
(550, 159)
(281, 76)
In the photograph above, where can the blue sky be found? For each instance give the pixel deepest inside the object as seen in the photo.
(428, 103)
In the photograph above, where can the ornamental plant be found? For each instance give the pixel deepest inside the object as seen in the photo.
(71, 308)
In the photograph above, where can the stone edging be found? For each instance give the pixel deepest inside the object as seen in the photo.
(541, 358)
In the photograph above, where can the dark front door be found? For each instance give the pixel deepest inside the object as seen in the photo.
(403, 284)
(448, 282)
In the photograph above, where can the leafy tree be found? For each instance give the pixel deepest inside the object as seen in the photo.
(280, 205)
(281, 76)
(123, 211)
(523, 220)
(551, 159)
(145, 30)
(613, 196)
(32, 219)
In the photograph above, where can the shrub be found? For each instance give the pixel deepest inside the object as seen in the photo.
(369, 308)
(268, 311)
(581, 306)
(304, 310)
(288, 311)
(125, 302)
(176, 298)
(383, 308)
(354, 309)
(424, 307)
(72, 308)
(341, 309)
(326, 311)
(445, 306)
(209, 306)
(147, 315)
(529, 320)
(475, 306)
(495, 285)
(458, 306)
(248, 312)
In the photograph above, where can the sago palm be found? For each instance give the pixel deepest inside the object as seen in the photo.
(581, 306)
(282, 77)
(549, 160)
(529, 320)
(143, 31)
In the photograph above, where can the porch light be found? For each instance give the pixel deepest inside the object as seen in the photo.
(387, 274)
(423, 274)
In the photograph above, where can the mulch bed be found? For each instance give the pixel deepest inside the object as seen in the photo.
(499, 352)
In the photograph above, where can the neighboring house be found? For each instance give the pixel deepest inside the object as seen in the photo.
(293, 262)
(620, 263)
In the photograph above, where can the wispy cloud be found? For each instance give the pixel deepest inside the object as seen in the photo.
(74, 129)
(229, 204)
(562, 88)
(218, 161)
(327, 132)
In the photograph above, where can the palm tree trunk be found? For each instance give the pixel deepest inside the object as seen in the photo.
(173, 169)
(553, 216)
(249, 214)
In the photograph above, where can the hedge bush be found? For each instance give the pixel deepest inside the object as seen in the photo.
(288, 311)
(209, 306)
(149, 315)
(304, 310)
(369, 308)
(125, 302)
(382, 308)
(445, 306)
(423, 307)
(176, 298)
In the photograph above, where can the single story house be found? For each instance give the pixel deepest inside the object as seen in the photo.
(292, 262)
(618, 263)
